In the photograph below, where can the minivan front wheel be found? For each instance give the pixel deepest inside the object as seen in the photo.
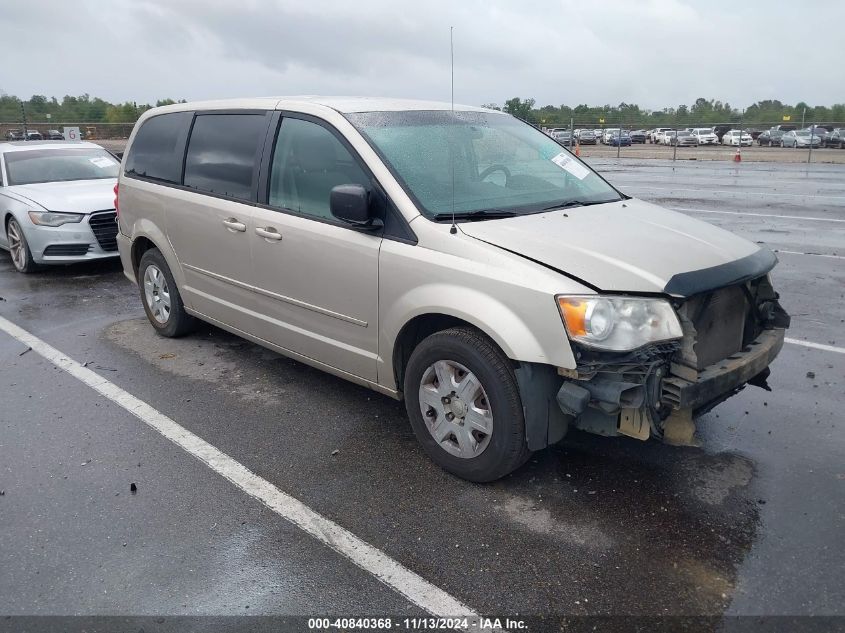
(161, 298)
(463, 401)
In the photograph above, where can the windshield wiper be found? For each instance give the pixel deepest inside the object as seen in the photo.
(577, 203)
(482, 214)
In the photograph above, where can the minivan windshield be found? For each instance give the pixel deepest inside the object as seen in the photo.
(31, 166)
(479, 163)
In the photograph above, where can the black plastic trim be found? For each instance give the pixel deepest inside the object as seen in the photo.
(738, 271)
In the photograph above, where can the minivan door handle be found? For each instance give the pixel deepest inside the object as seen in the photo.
(268, 233)
(233, 225)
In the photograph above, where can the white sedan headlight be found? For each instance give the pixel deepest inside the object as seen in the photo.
(618, 323)
(54, 218)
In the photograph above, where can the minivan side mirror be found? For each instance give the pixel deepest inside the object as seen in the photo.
(351, 204)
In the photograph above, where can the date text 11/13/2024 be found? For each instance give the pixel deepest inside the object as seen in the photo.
(416, 624)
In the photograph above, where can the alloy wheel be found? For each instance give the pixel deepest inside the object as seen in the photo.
(17, 247)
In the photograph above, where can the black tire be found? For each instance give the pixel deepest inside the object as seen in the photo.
(178, 322)
(507, 449)
(27, 263)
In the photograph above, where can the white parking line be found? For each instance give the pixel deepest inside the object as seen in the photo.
(821, 346)
(744, 193)
(761, 215)
(415, 588)
(780, 250)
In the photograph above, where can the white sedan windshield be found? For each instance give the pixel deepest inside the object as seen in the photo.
(33, 166)
(479, 162)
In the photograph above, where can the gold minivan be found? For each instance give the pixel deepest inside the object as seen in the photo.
(451, 256)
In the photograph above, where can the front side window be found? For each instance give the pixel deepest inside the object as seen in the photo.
(308, 161)
(223, 152)
(27, 167)
(159, 146)
(479, 162)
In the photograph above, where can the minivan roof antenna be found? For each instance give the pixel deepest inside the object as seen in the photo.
(454, 228)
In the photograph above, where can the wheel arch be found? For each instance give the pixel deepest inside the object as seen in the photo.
(146, 235)
(511, 334)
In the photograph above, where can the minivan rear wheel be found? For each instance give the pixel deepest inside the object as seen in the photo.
(161, 298)
(464, 405)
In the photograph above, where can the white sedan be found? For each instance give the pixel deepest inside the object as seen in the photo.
(732, 137)
(57, 202)
(705, 136)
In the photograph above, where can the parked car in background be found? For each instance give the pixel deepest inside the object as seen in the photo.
(819, 130)
(770, 138)
(836, 138)
(800, 138)
(622, 140)
(14, 135)
(737, 138)
(783, 128)
(684, 138)
(55, 135)
(587, 137)
(34, 135)
(667, 137)
(705, 136)
(656, 133)
(562, 136)
(57, 202)
(638, 136)
(558, 303)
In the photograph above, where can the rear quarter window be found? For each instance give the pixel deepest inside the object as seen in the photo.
(159, 146)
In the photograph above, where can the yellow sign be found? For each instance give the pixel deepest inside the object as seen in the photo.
(601, 120)
(787, 117)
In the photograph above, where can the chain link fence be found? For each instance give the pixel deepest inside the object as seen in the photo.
(13, 130)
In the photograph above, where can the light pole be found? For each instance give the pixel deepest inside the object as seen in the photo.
(619, 140)
(23, 117)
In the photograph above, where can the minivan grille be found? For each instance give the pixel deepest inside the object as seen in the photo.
(66, 250)
(714, 326)
(104, 225)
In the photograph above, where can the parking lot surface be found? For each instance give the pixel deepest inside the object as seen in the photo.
(749, 523)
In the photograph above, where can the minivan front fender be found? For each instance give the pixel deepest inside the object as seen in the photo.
(515, 337)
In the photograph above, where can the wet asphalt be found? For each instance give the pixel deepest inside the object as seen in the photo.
(752, 522)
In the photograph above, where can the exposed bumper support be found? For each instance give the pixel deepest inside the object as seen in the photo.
(723, 377)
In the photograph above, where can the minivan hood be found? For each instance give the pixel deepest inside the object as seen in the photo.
(629, 246)
(75, 196)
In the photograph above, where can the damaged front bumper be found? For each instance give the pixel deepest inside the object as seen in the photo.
(730, 337)
(725, 377)
(651, 395)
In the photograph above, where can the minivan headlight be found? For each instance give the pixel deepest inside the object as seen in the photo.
(54, 218)
(618, 323)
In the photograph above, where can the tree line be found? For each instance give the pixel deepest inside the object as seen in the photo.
(702, 112)
(85, 109)
(81, 109)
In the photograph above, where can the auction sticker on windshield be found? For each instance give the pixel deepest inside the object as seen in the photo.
(571, 165)
(102, 162)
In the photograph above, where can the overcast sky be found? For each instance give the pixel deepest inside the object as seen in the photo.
(654, 53)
